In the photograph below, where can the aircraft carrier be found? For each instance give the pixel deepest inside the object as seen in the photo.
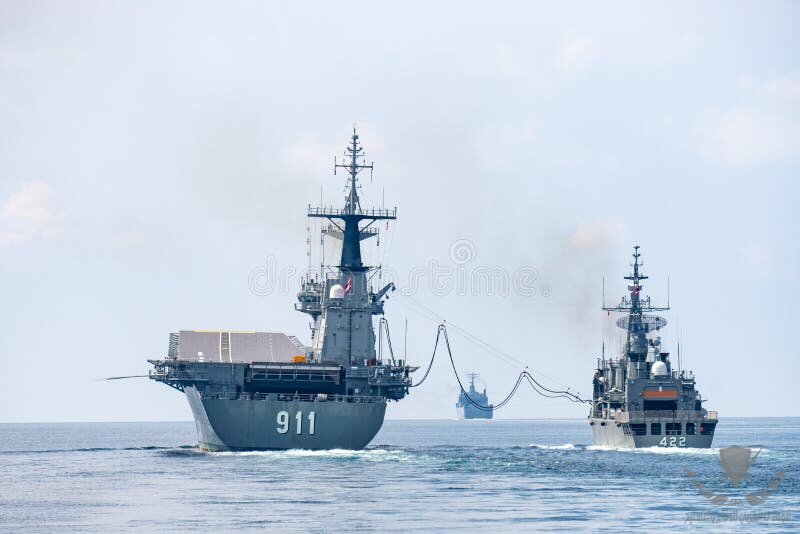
(266, 390)
(640, 399)
(469, 410)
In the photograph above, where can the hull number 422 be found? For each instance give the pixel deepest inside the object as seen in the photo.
(672, 441)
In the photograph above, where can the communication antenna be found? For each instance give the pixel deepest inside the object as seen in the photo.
(380, 341)
(308, 242)
(668, 292)
(322, 253)
(405, 342)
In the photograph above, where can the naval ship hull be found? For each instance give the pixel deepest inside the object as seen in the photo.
(468, 412)
(225, 424)
(609, 433)
(269, 391)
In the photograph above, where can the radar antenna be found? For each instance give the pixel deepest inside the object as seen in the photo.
(638, 323)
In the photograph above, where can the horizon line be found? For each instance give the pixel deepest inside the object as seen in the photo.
(393, 419)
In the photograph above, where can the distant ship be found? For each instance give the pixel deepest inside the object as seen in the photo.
(639, 399)
(467, 409)
(262, 390)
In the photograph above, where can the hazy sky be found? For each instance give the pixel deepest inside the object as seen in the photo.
(155, 154)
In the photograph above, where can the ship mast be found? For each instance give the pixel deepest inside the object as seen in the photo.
(347, 291)
(353, 167)
(472, 377)
(347, 220)
(636, 306)
(637, 341)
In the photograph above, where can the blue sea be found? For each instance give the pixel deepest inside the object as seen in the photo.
(502, 475)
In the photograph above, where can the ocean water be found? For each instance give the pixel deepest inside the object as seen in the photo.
(501, 475)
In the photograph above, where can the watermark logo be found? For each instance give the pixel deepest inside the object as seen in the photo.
(267, 278)
(462, 275)
(736, 462)
(462, 251)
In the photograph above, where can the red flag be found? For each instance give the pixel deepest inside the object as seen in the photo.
(348, 287)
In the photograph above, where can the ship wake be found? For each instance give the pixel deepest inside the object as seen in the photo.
(564, 447)
(369, 455)
(659, 450)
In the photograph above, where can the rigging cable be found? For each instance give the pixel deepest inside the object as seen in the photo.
(542, 390)
(504, 356)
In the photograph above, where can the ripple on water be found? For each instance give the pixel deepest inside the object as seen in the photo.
(658, 450)
(369, 455)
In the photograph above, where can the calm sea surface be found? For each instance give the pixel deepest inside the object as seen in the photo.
(416, 475)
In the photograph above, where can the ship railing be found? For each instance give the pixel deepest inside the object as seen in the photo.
(665, 414)
(336, 212)
(294, 372)
(683, 375)
(367, 371)
(178, 376)
(301, 306)
(378, 375)
(388, 381)
(304, 397)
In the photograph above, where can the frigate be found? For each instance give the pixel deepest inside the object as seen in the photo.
(268, 391)
(639, 398)
(467, 401)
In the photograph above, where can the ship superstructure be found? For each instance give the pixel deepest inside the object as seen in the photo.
(469, 410)
(639, 399)
(260, 390)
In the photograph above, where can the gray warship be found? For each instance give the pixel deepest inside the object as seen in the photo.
(267, 391)
(468, 410)
(639, 399)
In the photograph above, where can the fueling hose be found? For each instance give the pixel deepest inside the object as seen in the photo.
(441, 332)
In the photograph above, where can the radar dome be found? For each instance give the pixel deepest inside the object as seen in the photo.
(659, 369)
(337, 292)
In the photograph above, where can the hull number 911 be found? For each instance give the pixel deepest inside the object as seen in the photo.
(672, 441)
(283, 422)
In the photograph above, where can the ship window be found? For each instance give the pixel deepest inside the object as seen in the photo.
(638, 429)
(673, 429)
(660, 405)
(690, 429)
(707, 428)
(655, 429)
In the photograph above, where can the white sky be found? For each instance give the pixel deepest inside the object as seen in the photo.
(153, 154)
